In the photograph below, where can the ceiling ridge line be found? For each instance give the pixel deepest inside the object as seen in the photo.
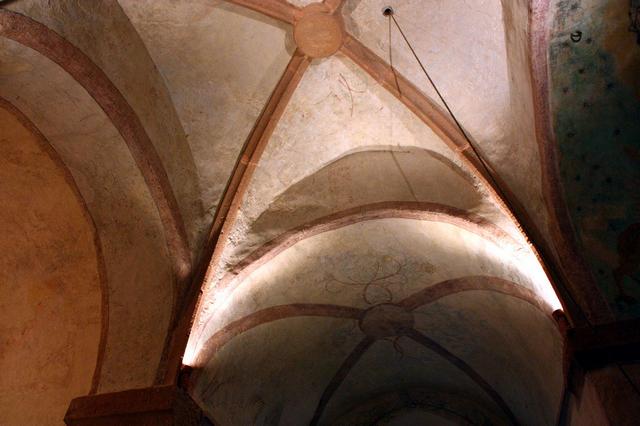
(426, 111)
(467, 369)
(419, 299)
(276, 9)
(37, 36)
(418, 103)
(425, 211)
(228, 209)
(417, 210)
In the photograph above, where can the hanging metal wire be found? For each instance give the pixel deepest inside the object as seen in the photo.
(389, 13)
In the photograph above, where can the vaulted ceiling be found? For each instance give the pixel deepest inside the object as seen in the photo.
(251, 189)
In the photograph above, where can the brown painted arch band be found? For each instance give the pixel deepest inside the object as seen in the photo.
(413, 99)
(461, 365)
(267, 315)
(102, 272)
(582, 284)
(415, 210)
(35, 35)
(418, 299)
(421, 298)
(384, 210)
(229, 207)
(434, 117)
(276, 9)
(477, 283)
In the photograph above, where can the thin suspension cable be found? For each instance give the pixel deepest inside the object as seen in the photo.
(446, 105)
(393, 154)
(497, 186)
(390, 50)
(395, 76)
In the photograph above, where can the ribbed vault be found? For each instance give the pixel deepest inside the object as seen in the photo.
(365, 220)
(262, 197)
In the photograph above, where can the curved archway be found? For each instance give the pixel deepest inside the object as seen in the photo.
(369, 276)
(54, 295)
(40, 38)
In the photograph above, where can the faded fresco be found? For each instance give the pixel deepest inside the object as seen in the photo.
(395, 307)
(595, 97)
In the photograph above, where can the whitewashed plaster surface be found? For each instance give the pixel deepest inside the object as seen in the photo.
(344, 142)
(504, 338)
(478, 55)
(285, 381)
(103, 32)
(138, 270)
(336, 111)
(385, 174)
(198, 73)
(272, 370)
(220, 62)
(319, 269)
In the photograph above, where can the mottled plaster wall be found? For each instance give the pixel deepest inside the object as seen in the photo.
(220, 63)
(416, 253)
(344, 142)
(595, 100)
(102, 31)
(336, 111)
(521, 168)
(50, 282)
(137, 266)
(280, 369)
(477, 53)
(384, 174)
(511, 342)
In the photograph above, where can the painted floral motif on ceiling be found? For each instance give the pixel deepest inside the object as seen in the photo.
(595, 98)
